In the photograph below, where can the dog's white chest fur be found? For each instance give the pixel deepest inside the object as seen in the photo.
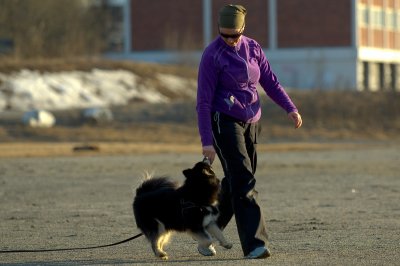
(210, 218)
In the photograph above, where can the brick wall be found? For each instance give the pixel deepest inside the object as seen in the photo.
(377, 38)
(380, 35)
(311, 23)
(378, 3)
(363, 37)
(391, 40)
(163, 25)
(178, 24)
(390, 3)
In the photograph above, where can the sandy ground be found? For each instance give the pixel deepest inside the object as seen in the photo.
(329, 204)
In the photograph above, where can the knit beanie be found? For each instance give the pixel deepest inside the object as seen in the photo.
(232, 16)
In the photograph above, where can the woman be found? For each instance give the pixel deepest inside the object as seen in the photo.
(228, 109)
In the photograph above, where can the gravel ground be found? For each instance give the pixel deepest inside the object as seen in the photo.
(323, 207)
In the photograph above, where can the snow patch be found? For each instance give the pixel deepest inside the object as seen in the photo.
(28, 89)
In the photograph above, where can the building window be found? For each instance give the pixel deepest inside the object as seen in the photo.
(363, 15)
(378, 18)
(381, 71)
(365, 76)
(394, 77)
(393, 19)
(115, 29)
(390, 20)
(382, 18)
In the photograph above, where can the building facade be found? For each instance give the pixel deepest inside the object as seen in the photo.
(311, 44)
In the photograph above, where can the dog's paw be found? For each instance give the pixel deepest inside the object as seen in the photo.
(227, 245)
(206, 250)
(162, 255)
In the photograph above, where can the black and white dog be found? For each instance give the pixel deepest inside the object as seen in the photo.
(161, 206)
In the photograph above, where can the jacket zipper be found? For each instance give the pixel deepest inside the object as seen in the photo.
(248, 77)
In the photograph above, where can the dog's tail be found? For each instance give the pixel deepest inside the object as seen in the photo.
(150, 184)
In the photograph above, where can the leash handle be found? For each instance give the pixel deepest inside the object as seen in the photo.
(68, 249)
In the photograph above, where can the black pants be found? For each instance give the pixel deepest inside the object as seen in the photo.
(235, 144)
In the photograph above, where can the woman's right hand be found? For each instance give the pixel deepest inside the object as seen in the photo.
(209, 152)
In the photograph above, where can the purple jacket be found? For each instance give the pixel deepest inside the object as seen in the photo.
(227, 82)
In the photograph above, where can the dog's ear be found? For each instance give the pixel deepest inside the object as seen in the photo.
(187, 173)
(208, 172)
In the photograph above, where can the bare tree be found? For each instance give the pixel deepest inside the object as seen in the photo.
(53, 28)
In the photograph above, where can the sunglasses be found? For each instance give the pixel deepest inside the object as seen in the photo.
(231, 36)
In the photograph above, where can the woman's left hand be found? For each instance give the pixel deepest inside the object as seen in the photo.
(209, 153)
(296, 118)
